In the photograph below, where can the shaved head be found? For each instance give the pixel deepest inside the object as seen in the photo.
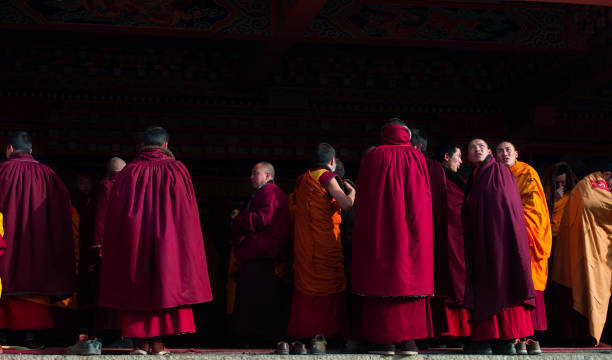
(262, 173)
(478, 150)
(505, 153)
(267, 167)
(115, 164)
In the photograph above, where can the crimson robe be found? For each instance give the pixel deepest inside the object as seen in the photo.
(261, 237)
(39, 259)
(153, 247)
(498, 262)
(392, 236)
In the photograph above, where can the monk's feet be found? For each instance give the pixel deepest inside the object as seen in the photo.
(158, 347)
(504, 347)
(142, 348)
(382, 349)
(478, 348)
(318, 345)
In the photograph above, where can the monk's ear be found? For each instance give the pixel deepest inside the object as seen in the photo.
(516, 152)
(446, 157)
(490, 152)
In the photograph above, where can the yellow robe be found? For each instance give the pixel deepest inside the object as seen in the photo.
(582, 260)
(538, 221)
(558, 214)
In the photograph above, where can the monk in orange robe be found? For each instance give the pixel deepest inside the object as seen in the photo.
(538, 226)
(581, 260)
(319, 301)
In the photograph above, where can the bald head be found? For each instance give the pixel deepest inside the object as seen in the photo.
(505, 153)
(261, 173)
(114, 165)
(478, 150)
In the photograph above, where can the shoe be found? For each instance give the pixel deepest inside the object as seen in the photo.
(282, 348)
(533, 347)
(520, 346)
(298, 348)
(164, 351)
(143, 348)
(407, 348)
(138, 352)
(382, 349)
(318, 345)
(504, 347)
(478, 348)
(352, 346)
(3, 338)
(86, 346)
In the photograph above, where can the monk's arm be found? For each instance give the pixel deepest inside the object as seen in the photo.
(344, 200)
(538, 222)
(258, 219)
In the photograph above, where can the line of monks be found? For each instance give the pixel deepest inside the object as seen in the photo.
(411, 251)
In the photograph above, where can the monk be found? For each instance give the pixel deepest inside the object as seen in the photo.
(319, 305)
(559, 179)
(454, 314)
(38, 266)
(580, 260)
(499, 288)
(92, 238)
(393, 244)
(261, 235)
(153, 260)
(538, 230)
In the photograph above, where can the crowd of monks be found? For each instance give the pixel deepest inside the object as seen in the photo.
(411, 250)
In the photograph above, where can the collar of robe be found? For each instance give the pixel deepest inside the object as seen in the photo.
(150, 148)
(395, 135)
(21, 155)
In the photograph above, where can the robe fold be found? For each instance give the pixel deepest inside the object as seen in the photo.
(319, 302)
(497, 258)
(581, 259)
(537, 219)
(393, 241)
(154, 257)
(39, 259)
(261, 237)
(393, 231)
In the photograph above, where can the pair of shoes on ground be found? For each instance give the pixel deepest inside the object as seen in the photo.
(86, 345)
(154, 348)
(527, 347)
(405, 348)
(508, 347)
(318, 347)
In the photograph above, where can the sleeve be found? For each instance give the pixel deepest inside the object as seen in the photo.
(258, 219)
(537, 218)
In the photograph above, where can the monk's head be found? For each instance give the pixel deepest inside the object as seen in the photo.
(19, 141)
(478, 150)
(325, 155)
(418, 140)
(398, 122)
(155, 136)
(261, 173)
(115, 164)
(505, 153)
(450, 156)
(340, 171)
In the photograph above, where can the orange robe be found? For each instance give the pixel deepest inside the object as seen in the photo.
(318, 259)
(558, 214)
(538, 221)
(581, 259)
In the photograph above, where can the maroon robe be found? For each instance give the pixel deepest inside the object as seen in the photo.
(153, 247)
(261, 237)
(39, 259)
(393, 241)
(498, 262)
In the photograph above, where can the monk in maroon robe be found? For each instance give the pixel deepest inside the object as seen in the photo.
(91, 239)
(499, 289)
(38, 266)
(153, 263)
(393, 244)
(261, 239)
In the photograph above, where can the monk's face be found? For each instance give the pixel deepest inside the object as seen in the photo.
(560, 181)
(506, 154)
(453, 163)
(478, 150)
(259, 176)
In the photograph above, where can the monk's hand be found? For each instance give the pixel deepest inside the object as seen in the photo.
(559, 193)
(350, 190)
